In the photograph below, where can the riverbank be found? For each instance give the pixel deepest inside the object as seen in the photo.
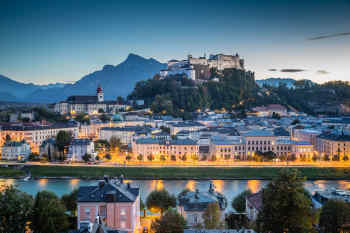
(173, 173)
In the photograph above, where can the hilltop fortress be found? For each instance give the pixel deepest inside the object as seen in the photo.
(199, 68)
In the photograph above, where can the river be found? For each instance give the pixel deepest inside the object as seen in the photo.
(229, 188)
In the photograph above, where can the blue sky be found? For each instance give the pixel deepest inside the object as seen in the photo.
(60, 41)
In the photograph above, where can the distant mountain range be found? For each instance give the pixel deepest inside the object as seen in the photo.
(116, 81)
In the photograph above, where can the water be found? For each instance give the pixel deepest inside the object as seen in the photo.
(229, 188)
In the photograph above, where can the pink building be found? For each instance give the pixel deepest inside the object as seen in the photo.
(117, 203)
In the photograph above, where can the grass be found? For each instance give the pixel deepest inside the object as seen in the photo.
(183, 173)
(6, 172)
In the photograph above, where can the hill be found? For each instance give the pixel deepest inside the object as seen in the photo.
(116, 81)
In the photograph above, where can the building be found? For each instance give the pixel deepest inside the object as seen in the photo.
(185, 126)
(49, 148)
(88, 104)
(36, 135)
(270, 110)
(80, 147)
(125, 134)
(192, 205)
(199, 68)
(333, 145)
(116, 202)
(254, 204)
(13, 150)
(175, 150)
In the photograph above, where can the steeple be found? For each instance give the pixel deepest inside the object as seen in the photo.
(100, 95)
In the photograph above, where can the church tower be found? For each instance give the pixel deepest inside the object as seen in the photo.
(100, 95)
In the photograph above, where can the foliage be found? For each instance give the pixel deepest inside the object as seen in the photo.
(128, 157)
(86, 157)
(83, 118)
(63, 139)
(115, 143)
(108, 156)
(101, 145)
(34, 157)
(170, 222)
(150, 157)
(265, 156)
(238, 203)
(140, 157)
(70, 200)
(286, 205)
(334, 214)
(104, 118)
(345, 158)
(15, 210)
(162, 158)
(48, 214)
(41, 113)
(212, 217)
(160, 200)
(236, 221)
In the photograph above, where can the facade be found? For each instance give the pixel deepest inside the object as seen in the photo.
(333, 145)
(199, 68)
(79, 147)
(49, 148)
(125, 134)
(174, 150)
(117, 203)
(269, 110)
(92, 130)
(185, 126)
(36, 135)
(87, 104)
(13, 150)
(192, 205)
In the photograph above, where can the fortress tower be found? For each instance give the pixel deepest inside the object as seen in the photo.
(100, 95)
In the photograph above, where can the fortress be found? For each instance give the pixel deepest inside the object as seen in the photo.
(199, 68)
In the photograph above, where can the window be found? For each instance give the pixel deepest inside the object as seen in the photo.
(122, 212)
(122, 224)
(87, 212)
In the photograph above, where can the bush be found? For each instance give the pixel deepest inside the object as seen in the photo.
(238, 203)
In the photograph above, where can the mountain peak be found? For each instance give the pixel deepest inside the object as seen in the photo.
(134, 57)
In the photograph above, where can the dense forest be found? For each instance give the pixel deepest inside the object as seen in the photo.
(234, 89)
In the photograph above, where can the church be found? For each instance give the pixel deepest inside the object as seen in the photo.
(88, 104)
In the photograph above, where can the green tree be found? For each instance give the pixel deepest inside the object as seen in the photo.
(160, 201)
(33, 157)
(212, 217)
(128, 158)
(162, 158)
(345, 158)
(238, 203)
(63, 139)
(70, 201)
(15, 210)
(170, 222)
(48, 214)
(8, 138)
(115, 143)
(334, 214)
(286, 205)
(237, 221)
(108, 156)
(150, 157)
(86, 157)
(140, 157)
(83, 118)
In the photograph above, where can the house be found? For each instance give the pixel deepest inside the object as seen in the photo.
(13, 150)
(116, 202)
(79, 147)
(97, 227)
(48, 148)
(269, 110)
(192, 205)
(254, 204)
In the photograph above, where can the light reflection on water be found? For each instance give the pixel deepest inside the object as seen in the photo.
(230, 188)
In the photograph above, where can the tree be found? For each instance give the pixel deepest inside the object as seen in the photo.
(70, 200)
(63, 139)
(212, 216)
(140, 157)
(170, 222)
(86, 157)
(334, 214)
(150, 157)
(104, 118)
(286, 205)
(115, 143)
(143, 208)
(345, 158)
(162, 158)
(48, 214)
(8, 138)
(15, 210)
(238, 203)
(128, 158)
(100, 110)
(237, 221)
(173, 157)
(326, 158)
(97, 158)
(83, 118)
(160, 201)
(33, 157)
(108, 156)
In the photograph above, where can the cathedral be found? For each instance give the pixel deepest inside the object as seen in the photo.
(87, 104)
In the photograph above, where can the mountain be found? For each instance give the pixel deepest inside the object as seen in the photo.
(116, 81)
(14, 89)
(275, 82)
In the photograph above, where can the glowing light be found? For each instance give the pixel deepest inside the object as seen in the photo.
(160, 185)
(43, 182)
(191, 185)
(219, 185)
(254, 185)
(74, 182)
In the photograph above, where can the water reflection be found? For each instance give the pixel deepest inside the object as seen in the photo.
(254, 185)
(191, 185)
(74, 183)
(219, 185)
(43, 182)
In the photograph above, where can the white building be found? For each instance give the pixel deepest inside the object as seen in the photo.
(13, 150)
(88, 104)
(124, 134)
(80, 147)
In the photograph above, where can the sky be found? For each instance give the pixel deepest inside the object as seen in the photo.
(61, 41)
